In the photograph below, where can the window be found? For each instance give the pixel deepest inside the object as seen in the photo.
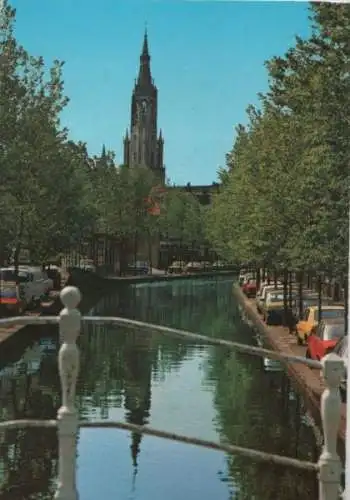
(329, 313)
(333, 332)
(275, 297)
(8, 292)
(7, 275)
(24, 277)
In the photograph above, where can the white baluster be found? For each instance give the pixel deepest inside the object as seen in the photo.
(68, 365)
(329, 462)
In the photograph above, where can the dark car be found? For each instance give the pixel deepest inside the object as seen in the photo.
(139, 268)
(54, 273)
(308, 301)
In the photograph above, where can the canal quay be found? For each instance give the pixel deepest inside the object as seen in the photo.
(173, 385)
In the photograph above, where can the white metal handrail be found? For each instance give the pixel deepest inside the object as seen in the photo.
(70, 321)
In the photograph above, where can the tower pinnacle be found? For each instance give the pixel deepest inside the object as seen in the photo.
(145, 77)
(145, 44)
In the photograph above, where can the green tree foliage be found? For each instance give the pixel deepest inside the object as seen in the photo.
(52, 194)
(43, 177)
(182, 216)
(285, 196)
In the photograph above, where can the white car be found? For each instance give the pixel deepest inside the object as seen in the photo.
(261, 296)
(43, 284)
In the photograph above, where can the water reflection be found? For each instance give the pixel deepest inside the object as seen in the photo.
(174, 385)
(29, 389)
(272, 365)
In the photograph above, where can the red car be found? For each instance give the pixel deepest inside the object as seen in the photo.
(324, 337)
(249, 287)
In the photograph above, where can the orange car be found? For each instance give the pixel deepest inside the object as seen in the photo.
(310, 320)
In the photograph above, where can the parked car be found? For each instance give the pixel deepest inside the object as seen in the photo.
(266, 283)
(87, 265)
(324, 337)
(249, 288)
(273, 307)
(54, 273)
(139, 268)
(219, 265)
(207, 266)
(24, 281)
(177, 267)
(261, 296)
(306, 302)
(43, 283)
(311, 317)
(309, 299)
(341, 349)
(244, 276)
(194, 267)
(10, 299)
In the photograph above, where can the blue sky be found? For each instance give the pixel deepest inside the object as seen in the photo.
(207, 61)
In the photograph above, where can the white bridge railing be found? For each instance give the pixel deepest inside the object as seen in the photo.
(70, 320)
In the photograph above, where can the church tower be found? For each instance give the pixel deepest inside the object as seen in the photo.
(143, 147)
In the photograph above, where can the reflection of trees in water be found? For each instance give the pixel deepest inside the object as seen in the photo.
(29, 456)
(118, 364)
(189, 305)
(256, 410)
(117, 367)
(28, 464)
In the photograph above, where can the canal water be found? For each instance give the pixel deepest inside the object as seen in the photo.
(188, 388)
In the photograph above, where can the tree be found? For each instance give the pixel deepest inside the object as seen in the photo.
(287, 175)
(182, 216)
(36, 155)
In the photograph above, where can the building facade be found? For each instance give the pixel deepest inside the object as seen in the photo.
(143, 146)
(203, 193)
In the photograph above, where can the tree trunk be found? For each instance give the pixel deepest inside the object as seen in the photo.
(285, 295)
(346, 300)
(122, 257)
(18, 244)
(308, 281)
(290, 291)
(258, 277)
(150, 251)
(319, 291)
(290, 303)
(301, 302)
(135, 246)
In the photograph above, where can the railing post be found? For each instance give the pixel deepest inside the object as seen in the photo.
(68, 365)
(329, 462)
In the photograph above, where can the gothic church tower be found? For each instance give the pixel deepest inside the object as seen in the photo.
(142, 147)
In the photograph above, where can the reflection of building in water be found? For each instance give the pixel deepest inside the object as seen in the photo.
(137, 385)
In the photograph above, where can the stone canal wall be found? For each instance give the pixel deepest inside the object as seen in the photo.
(150, 278)
(279, 339)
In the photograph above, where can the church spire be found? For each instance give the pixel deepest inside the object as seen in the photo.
(145, 52)
(145, 77)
